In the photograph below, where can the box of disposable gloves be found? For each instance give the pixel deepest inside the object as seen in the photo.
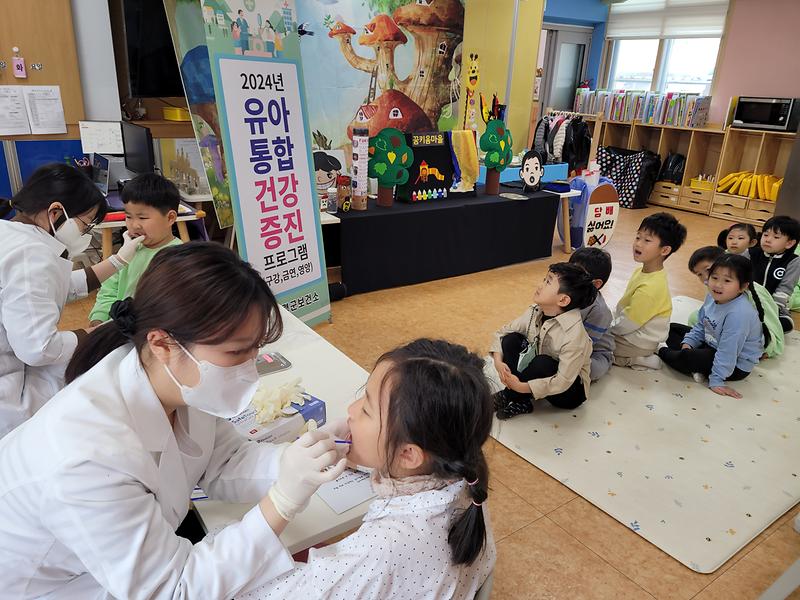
(280, 414)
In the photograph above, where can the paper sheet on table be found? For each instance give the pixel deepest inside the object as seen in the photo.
(45, 111)
(348, 491)
(13, 114)
(103, 137)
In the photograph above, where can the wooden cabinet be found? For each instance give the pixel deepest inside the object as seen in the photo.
(758, 152)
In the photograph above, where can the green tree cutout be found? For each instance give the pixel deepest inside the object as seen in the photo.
(496, 142)
(390, 157)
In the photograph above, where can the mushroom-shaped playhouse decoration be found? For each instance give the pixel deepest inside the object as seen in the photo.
(390, 109)
(437, 28)
(496, 142)
(389, 160)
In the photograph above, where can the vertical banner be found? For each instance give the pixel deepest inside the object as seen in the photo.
(254, 63)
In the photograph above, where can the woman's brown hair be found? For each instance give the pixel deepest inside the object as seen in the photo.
(198, 292)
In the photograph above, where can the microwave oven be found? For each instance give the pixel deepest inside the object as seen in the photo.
(773, 114)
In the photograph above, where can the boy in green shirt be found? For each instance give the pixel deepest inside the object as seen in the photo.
(151, 209)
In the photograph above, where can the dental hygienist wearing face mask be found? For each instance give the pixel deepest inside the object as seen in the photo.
(93, 486)
(55, 211)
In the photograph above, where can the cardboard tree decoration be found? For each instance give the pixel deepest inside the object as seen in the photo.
(496, 142)
(389, 160)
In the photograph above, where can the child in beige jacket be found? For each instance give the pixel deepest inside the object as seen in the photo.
(545, 352)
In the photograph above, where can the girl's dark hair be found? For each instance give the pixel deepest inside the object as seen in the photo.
(57, 182)
(746, 227)
(742, 269)
(198, 292)
(440, 400)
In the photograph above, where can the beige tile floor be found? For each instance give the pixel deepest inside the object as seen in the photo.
(551, 543)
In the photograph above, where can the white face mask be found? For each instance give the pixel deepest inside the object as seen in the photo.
(70, 235)
(222, 391)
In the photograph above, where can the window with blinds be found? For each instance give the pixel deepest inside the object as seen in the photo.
(659, 19)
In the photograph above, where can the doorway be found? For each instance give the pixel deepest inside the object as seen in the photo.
(566, 52)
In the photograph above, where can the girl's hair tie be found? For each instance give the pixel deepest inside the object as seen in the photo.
(471, 483)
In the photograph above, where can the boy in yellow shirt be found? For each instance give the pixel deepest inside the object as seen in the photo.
(641, 321)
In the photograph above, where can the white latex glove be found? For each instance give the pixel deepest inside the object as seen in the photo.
(305, 465)
(129, 247)
(338, 430)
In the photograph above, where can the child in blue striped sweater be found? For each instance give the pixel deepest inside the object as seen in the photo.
(597, 316)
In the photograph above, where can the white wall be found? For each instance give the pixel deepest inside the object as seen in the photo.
(96, 60)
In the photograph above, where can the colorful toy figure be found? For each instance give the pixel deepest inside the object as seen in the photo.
(473, 79)
(531, 171)
(344, 183)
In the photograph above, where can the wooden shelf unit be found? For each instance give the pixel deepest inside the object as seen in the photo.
(708, 151)
(763, 153)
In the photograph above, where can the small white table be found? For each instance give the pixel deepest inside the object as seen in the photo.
(326, 218)
(565, 196)
(331, 376)
(107, 227)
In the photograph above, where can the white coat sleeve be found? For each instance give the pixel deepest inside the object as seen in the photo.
(31, 310)
(114, 525)
(240, 470)
(78, 285)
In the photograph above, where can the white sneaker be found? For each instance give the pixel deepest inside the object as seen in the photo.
(640, 363)
(699, 377)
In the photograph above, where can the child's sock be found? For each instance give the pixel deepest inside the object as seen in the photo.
(640, 363)
(699, 377)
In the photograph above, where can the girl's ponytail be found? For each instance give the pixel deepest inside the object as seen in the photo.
(97, 345)
(440, 400)
(468, 532)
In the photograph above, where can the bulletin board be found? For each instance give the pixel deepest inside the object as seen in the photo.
(43, 32)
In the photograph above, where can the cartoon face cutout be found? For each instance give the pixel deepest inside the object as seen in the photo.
(532, 169)
(473, 73)
(326, 168)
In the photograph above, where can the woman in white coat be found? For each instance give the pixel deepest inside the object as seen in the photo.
(56, 209)
(94, 485)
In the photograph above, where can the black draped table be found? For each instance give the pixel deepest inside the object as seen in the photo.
(412, 243)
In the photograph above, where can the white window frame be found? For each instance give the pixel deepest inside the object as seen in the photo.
(659, 80)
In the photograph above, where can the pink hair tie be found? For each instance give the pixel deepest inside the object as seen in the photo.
(471, 483)
(477, 504)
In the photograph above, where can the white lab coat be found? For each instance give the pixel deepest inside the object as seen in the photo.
(35, 283)
(399, 552)
(94, 485)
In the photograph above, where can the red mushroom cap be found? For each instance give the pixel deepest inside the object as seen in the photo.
(341, 29)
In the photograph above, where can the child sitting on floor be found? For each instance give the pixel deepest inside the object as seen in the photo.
(545, 352)
(641, 321)
(775, 264)
(728, 339)
(597, 316)
(699, 264)
(421, 424)
(738, 239)
(151, 208)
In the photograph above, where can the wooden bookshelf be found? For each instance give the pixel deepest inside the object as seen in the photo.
(708, 151)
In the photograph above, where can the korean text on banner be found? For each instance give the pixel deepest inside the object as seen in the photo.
(268, 152)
